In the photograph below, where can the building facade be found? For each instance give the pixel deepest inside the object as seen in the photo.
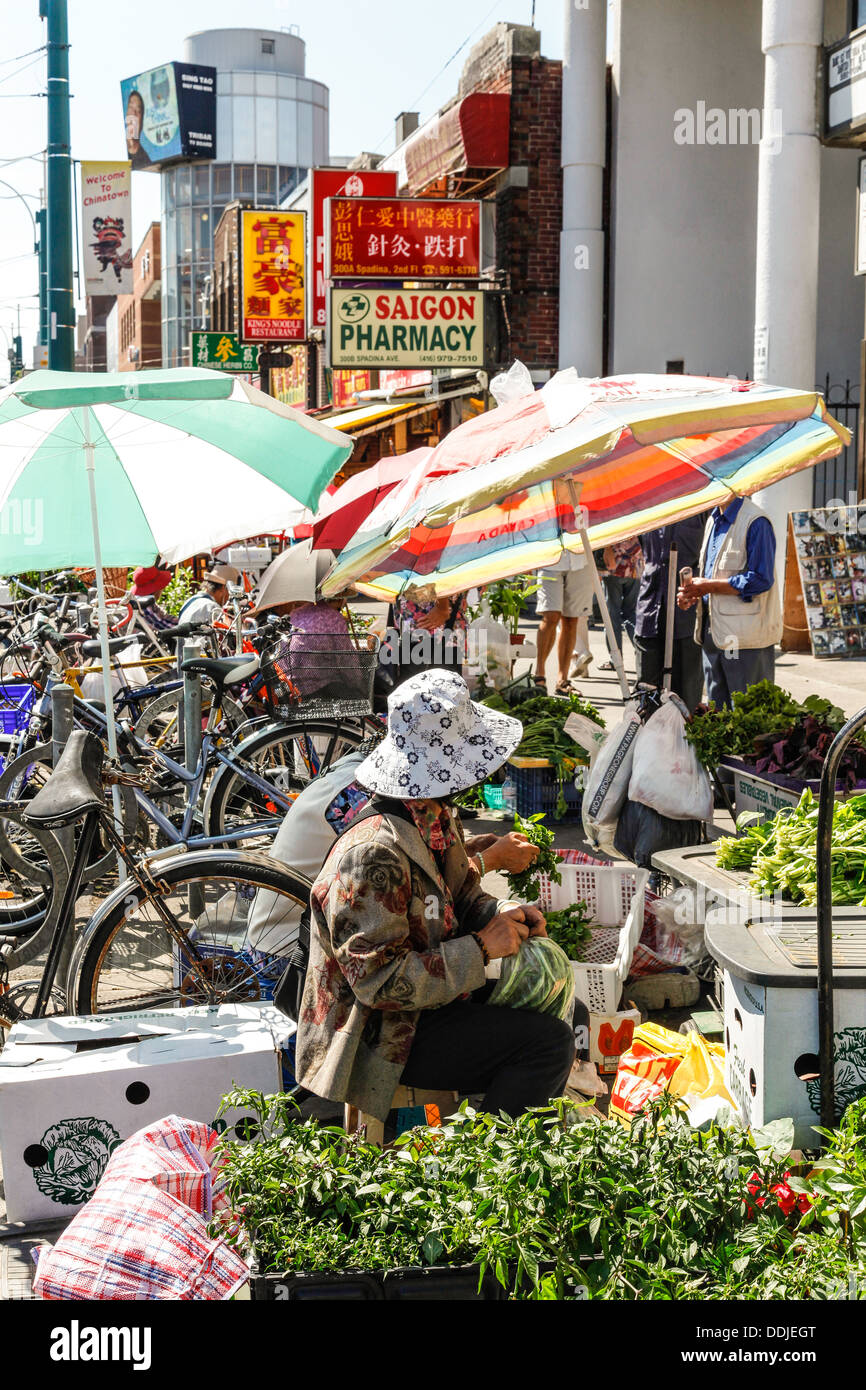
(272, 125)
(139, 328)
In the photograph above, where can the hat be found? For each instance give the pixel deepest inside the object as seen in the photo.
(149, 579)
(439, 741)
(223, 574)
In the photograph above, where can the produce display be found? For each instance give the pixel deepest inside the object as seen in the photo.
(556, 1204)
(526, 884)
(538, 978)
(762, 719)
(570, 928)
(781, 853)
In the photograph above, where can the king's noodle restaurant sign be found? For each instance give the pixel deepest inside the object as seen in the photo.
(407, 328)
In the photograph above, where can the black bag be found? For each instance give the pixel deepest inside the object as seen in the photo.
(290, 987)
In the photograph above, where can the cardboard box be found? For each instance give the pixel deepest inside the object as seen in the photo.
(771, 1039)
(610, 1036)
(71, 1089)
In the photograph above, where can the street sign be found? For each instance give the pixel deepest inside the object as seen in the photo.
(223, 352)
(404, 328)
(404, 239)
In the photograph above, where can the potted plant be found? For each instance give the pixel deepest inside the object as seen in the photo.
(506, 600)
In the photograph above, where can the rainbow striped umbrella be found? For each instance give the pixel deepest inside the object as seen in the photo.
(619, 455)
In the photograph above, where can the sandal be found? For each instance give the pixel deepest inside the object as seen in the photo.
(565, 688)
(606, 666)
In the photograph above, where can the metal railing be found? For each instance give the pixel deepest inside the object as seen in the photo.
(838, 478)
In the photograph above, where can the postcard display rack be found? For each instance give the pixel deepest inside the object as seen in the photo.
(831, 554)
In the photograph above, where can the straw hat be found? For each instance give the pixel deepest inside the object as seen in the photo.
(439, 741)
(223, 574)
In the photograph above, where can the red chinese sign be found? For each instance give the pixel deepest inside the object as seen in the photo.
(337, 183)
(273, 276)
(405, 380)
(345, 387)
(404, 239)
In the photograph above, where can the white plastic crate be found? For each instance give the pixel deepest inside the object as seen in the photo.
(614, 897)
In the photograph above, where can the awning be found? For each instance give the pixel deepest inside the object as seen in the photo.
(375, 415)
(471, 134)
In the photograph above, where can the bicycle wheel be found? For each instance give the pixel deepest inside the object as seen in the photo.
(288, 756)
(183, 941)
(29, 907)
(158, 721)
(22, 778)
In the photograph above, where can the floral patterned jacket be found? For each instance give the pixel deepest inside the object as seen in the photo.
(389, 936)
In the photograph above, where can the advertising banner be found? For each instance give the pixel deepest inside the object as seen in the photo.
(346, 385)
(273, 276)
(336, 183)
(106, 226)
(289, 384)
(404, 239)
(405, 380)
(170, 114)
(222, 352)
(403, 328)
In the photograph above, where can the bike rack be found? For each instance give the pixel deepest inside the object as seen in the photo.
(826, 804)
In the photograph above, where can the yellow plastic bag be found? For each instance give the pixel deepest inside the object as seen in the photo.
(685, 1065)
(701, 1073)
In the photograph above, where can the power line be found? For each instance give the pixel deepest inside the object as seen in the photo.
(4, 62)
(24, 68)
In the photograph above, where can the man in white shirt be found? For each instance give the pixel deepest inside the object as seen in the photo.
(206, 605)
(564, 598)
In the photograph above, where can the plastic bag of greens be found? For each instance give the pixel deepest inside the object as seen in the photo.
(539, 978)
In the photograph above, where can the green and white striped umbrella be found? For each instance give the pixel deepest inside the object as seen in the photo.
(183, 460)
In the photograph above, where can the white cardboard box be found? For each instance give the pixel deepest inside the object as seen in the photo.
(71, 1089)
(612, 1030)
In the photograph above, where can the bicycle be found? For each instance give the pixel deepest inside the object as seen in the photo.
(172, 934)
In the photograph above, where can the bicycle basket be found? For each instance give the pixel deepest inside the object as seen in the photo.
(320, 676)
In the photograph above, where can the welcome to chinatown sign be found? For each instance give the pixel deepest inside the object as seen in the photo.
(403, 238)
(405, 328)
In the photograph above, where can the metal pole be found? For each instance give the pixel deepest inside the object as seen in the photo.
(42, 224)
(826, 806)
(192, 744)
(615, 653)
(581, 245)
(62, 700)
(61, 308)
(668, 670)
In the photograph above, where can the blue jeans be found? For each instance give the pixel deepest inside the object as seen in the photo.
(725, 674)
(621, 598)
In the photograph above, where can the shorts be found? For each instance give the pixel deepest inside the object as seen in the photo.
(570, 593)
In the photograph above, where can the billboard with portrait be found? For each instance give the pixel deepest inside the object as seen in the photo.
(170, 114)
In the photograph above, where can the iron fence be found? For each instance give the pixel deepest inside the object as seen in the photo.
(838, 478)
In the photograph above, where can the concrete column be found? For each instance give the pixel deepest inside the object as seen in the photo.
(581, 245)
(789, 186)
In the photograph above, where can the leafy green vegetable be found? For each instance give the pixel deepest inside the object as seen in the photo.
(570, 928)
(526, 884)
(782, 853)
(762, 709)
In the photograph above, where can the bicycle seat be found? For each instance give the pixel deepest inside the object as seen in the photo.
(115, 644)
(224, 670)
(74, 787)
(142, 603)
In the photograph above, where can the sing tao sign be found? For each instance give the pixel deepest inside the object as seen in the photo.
(407, 328)
(404, 238)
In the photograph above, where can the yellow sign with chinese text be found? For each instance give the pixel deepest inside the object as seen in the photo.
(273, 276)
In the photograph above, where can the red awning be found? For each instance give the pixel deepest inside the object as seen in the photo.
(471, 134)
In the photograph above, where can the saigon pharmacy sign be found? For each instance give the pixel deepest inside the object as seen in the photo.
(406, 328)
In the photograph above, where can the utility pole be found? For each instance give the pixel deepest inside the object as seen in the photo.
(61, 308)
(581, 244)
(42, 226)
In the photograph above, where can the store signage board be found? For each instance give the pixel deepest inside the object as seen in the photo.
(845, 91)
(336, 183)
(406, 328)
(223, 352)
(273, 276)
(289, 384)
(831, 553)
(403, 239)
(106, 226)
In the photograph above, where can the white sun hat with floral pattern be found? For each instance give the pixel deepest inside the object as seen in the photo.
(439, 741)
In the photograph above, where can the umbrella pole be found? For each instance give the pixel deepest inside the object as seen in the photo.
(670, 619)
(615, 653)
(102, 624)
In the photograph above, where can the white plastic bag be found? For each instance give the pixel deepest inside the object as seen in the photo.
(134, 675)
(512, 385)
(666, 774)
(608, 780)
(488, 650)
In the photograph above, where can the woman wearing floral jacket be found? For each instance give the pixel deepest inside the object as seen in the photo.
(402, 930)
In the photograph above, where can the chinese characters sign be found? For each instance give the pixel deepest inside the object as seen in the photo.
(273, 276)
(289, 384)
(402, 328)
(336, 183)
(344, 387)
(223, 352)
(404, 239)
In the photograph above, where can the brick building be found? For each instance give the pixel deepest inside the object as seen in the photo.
(508, 154)
(139, 329)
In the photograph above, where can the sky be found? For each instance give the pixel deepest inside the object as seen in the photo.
(378, 58)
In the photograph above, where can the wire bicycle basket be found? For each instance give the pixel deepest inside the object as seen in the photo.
(320, 675)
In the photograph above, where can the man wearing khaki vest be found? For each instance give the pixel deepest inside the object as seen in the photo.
(739, 613)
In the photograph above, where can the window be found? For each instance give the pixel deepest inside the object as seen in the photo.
(201, 183)
(290, 177)
(266, 182)
(245, 181)
(858, 13)
(676, 367)
(182, 184)
(268, 46)
(222, 182)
